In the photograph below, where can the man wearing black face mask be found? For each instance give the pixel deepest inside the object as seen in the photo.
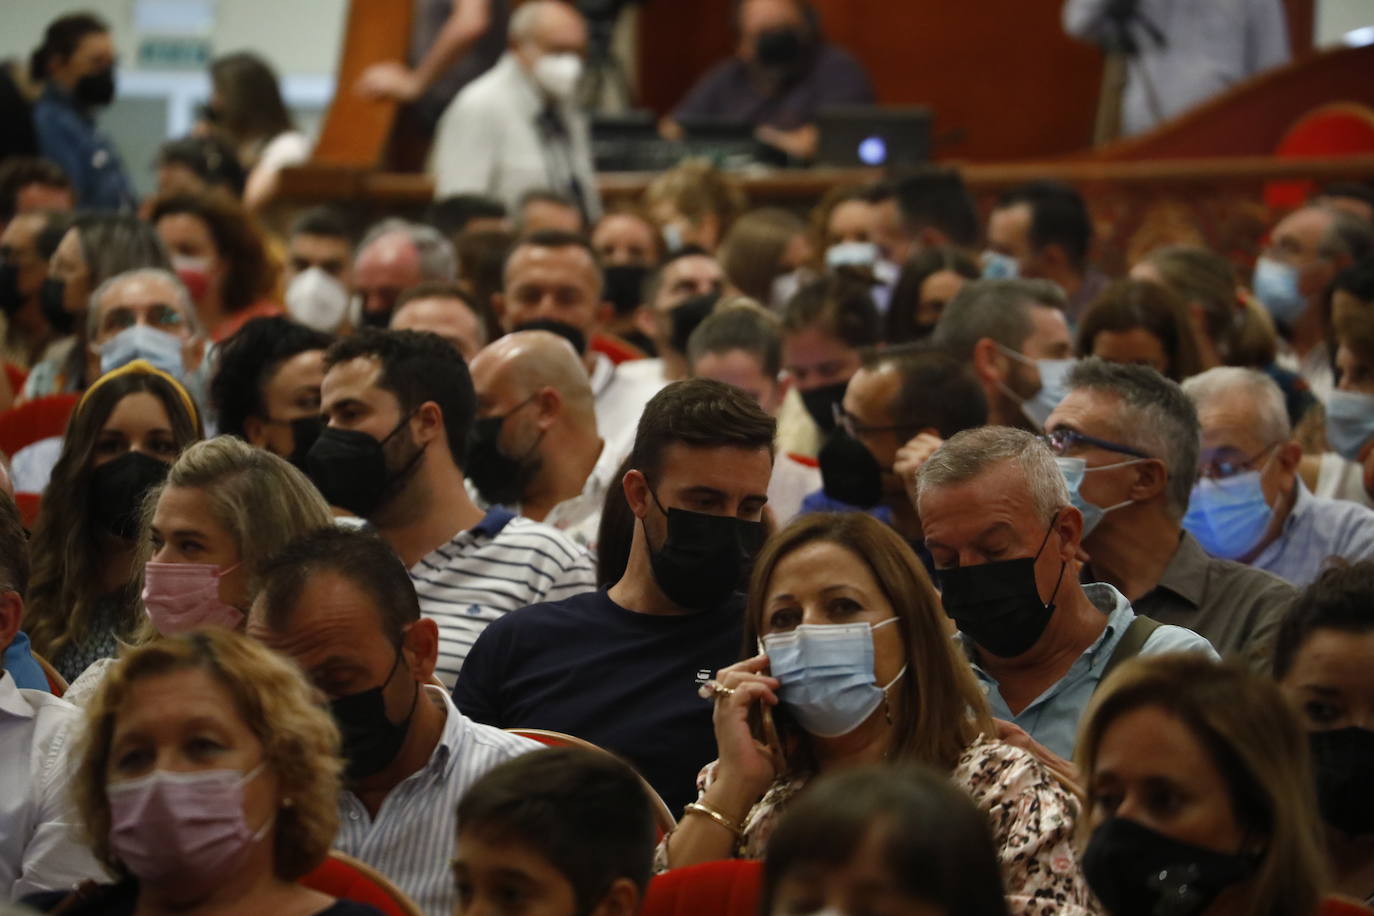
(26, 244)
(617, 667)
(1005, 539)
(782, 74)
(76, 63)
(341, 605)
(399, 406)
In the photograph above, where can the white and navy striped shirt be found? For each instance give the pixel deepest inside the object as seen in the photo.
(411, 840)
(501, 564)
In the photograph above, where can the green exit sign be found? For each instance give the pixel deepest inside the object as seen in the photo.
(173, 53)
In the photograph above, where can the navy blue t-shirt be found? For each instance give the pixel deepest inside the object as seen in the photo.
(625, 681)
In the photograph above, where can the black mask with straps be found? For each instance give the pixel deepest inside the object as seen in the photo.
(370, 739)
(704, 558)
(349, 468)
(500, 478)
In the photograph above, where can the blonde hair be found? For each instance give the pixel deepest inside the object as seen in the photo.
(300, 743)
(1255, 742)
(940, 707)
(697, 189)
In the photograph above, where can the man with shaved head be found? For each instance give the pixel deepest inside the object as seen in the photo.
(517, 127)
(535, 446)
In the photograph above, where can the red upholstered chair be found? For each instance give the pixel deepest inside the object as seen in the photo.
(727, 888)
(41, 418)
(16, 377)
(346, 878)
(663, 818)
(28, 504)
(1337, 129)
(57, 684)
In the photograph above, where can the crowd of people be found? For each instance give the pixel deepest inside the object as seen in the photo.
(895, 556)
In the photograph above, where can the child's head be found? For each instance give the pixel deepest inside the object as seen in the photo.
(564, 830)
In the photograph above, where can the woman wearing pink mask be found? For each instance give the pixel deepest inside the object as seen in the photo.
(208, 783)
(224, 509)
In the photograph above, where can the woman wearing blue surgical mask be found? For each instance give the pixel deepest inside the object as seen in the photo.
(1347, 470)
(854, 665)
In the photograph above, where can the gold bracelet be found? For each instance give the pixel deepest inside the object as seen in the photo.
(697, 807)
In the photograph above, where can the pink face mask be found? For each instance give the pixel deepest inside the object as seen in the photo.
(190, 824)
(183, 596)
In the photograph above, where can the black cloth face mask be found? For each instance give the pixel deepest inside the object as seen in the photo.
(849, 472)
(1136, 871)
(998, 605)
(118, 488)
(624, 287)
(95, 88)
(1343, 759)
(370, 740)
(820, 404)
(54, 302)
(304, 432)
(782, 52)
(568, 332)
(705, 557)
(11, 300)
(500, 478)
(349, 468)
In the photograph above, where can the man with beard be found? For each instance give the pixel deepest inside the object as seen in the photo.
(399, 405)
(535, 446)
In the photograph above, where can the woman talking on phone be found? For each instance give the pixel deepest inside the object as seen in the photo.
(851, 663)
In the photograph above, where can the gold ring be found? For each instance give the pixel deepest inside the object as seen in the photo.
(714, 690)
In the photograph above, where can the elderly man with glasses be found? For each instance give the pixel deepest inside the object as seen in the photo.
(1126, 440)
(1250, 505)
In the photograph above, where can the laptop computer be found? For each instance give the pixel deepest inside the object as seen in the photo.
(873, 135)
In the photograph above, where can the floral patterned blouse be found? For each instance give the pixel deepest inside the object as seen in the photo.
(1031, 815)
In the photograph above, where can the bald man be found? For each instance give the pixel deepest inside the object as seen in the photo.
(394, 256)
(518, 127)
(535, 446)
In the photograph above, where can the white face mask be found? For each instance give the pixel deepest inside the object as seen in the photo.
(558, 74)
(317, 300)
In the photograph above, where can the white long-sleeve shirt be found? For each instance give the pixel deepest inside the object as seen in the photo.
(1209, 46)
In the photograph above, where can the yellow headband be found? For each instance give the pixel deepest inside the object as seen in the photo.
(143, 367)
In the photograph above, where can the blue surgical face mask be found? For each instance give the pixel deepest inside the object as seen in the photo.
(1073, 470)
(851, 254)
(998, 266)
(1054, 387)
(139, 341)
(826, 672)
(1228, 515)
(1276, 287)
(1349, 422)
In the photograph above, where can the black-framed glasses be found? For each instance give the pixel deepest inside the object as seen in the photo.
(1063, 441)
(850, 424)
(1228, 462)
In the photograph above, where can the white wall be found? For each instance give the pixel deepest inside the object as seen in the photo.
(1337, 17)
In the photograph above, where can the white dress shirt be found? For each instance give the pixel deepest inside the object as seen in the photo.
(619, 399)
(489, 141)
(580, 517)
(38, 851)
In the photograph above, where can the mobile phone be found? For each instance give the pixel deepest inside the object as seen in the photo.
(765, 732)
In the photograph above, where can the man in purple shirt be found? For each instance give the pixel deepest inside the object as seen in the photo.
(782, 73)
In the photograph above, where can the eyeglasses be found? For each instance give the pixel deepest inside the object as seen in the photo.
(1228, 462)
(850, 424)
(1064, 440)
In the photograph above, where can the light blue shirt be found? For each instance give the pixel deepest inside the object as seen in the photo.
(1316, 530)
(1052, 718)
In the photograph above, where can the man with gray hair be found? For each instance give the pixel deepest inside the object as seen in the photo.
(1005, 539)
(1250, 504)
(1014, 335)
(1126, 440)
(518, 126)
(394, 256)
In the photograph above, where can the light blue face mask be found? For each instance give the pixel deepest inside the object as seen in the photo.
(1073, 470)
(826, 671)
(1349, 422)
(1054, 386)
(1276, 287)
(139, 341)
(1228, 515)
(851, 254)
(998, 266)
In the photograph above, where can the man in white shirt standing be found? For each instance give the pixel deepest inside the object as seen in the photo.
(517, 126)
(37, 849)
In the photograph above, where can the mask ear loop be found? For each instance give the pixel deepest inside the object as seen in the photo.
(1063, 564)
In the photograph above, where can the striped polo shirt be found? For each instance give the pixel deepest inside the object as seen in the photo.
(501, 564)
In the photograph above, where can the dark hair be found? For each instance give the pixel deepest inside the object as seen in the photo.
(112, 243)
(936, 390)
(251, 98)
(557, 238)
(744, 327)
(1130, 304)
(1058, 217)
(935, 197)
(547, 196)
(441, 289)
(210, 158)
(451, 215)
(61, 39)
(841, 306)
(357, 554)
(250, 272)
(906, 293)
(615, 532)
(417, 367)
(936, 845)
(482, 264)
(1356, 190)
(1357, 280)
(246, 362)
(702, 413)
(55, 225)
(1340, 599)
(997, 309)
(14, 547)
(19, 172)
(584, 811)
(325, 220)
